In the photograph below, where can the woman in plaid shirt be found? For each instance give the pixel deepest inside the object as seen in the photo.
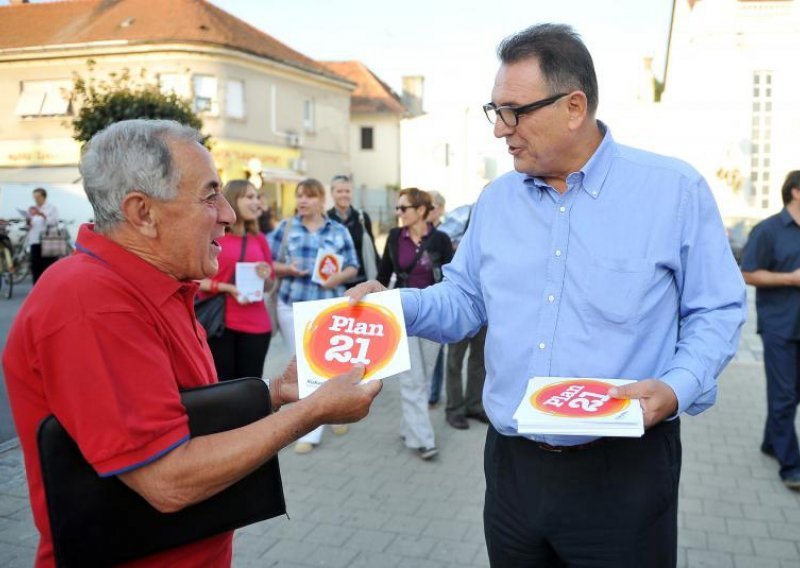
(294, 246)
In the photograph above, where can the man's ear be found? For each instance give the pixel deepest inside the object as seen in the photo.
(138, 210)
(577, 107)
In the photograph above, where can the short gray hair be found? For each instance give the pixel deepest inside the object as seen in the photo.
(564, 61)
(437, 198)
(131, 155)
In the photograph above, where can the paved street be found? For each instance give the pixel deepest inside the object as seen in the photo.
(362, 500)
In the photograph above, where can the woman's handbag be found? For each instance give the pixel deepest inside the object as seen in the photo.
(54, 243)
(210, 311)
(367, 251)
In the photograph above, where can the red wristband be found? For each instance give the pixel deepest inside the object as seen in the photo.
(214, 287)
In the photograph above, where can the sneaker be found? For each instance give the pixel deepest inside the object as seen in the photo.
(427, 453)
(303, 447)
(792, 481)
(339, 429)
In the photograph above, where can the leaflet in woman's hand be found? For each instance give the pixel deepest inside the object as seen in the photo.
(331, 336)
(326, 265)
(578, 406)
(249, 284)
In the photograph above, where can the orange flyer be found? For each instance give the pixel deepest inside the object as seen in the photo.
(331, 336)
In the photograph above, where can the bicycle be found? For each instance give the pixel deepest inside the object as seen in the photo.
(6, 262)
(21, 256)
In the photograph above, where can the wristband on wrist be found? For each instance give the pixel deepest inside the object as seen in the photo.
(214, 287)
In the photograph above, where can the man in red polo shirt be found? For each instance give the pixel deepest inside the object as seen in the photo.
(108, 337)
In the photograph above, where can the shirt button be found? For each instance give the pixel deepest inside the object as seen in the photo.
(558, 252)
(541, 346)
(594, 194)
(562, 208)
(551, 298)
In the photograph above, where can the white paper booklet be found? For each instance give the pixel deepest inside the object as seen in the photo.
(250, 286)
(331, 336)
(577, 406)
(326, 265)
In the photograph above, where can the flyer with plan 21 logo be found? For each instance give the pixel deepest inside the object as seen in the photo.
(578, 406)
(331, 336)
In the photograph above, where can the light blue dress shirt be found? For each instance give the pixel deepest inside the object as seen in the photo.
(628, 274)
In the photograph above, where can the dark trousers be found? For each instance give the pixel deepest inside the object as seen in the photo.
(614, 504)
(459, 400)
(782, 365)
(39, 263)
(238, 354)
(437, 378)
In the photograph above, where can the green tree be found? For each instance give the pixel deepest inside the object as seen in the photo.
(121, 97)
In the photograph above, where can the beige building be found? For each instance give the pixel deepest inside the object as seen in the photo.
(375, 115)
(272, 112)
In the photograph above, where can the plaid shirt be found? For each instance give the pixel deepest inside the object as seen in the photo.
(301, 248)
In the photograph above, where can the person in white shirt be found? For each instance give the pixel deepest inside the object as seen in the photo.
(42, 216)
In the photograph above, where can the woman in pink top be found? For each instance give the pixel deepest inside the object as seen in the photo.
(242, 347)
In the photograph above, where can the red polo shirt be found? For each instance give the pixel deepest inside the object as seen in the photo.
(104, 341)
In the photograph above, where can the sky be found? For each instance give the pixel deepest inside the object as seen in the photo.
(453, 43)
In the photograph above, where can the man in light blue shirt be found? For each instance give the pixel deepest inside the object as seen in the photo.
(592, 259)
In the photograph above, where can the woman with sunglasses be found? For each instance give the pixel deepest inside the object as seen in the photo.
(414, 254)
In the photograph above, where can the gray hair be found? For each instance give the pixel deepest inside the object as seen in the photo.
(131, 155)
(564, 61)
(437, 198)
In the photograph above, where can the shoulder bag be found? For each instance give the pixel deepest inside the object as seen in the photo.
(210, 311)
(367, 251)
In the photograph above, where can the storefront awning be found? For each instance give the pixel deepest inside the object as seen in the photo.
(61, 174)
(281, 174)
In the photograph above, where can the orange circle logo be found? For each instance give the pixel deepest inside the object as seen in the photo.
(345, 335)
(328, 266)
(581, 398)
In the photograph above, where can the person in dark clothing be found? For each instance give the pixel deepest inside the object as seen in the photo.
(771, 263)
(415, 254)
(358, 224)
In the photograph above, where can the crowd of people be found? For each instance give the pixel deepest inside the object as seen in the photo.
(590, 259)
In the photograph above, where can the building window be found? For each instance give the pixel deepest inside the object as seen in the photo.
(205, 94)
(177, 83)
(44, 98)
(367, 140)
(761, 139)
(234, 98)
(308, 115)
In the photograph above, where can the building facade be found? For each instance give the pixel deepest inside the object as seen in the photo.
(273, 114)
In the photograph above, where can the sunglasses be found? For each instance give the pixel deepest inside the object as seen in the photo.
(402, 208)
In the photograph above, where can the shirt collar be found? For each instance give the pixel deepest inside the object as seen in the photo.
(145, 277)
(785, 217)
(593, 172)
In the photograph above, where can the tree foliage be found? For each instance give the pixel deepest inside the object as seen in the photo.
(122, 97)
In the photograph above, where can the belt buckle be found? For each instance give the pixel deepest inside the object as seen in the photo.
(552, 449)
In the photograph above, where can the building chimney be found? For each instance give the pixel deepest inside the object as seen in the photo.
(17, 2)
(413, 88)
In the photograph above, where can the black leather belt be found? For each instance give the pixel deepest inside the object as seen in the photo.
(567, 449)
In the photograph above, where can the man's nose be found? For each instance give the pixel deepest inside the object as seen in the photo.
(226, 215)
(501, 129)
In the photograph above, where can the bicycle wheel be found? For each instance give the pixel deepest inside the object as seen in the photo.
(22, 264)
(6, 284)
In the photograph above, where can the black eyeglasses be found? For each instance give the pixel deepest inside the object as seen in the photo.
(402, 208)
(510, 114)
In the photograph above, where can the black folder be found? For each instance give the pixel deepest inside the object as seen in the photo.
(99, 521)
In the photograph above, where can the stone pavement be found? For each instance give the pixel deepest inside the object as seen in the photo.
(363, 500)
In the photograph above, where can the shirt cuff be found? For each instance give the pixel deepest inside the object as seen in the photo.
(685, 386)
(409, 298)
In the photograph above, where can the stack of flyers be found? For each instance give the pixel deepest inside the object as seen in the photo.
(331, 336)
(578, 406)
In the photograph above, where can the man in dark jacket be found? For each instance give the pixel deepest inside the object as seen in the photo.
(358, 224)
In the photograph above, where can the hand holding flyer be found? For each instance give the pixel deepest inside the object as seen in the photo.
(577, 406)
(326, 265)
(331, 336)
(248, 282)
